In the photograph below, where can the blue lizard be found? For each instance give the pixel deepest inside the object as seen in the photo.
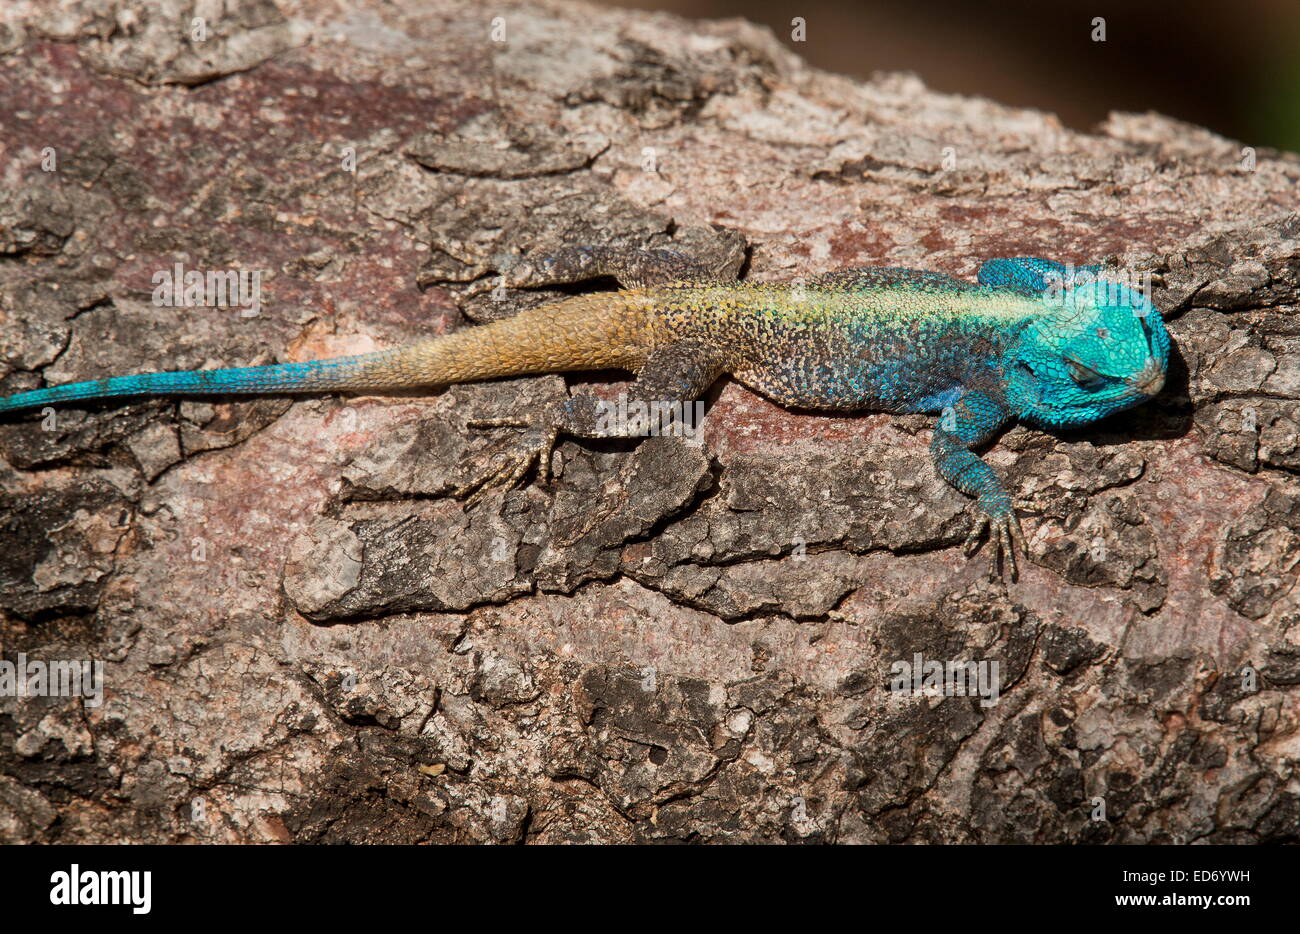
(1034, 340)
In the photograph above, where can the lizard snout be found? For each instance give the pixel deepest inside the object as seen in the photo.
(1151, 379)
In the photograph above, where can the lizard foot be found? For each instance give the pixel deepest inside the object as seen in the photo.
(513, 463)
(1005, 537)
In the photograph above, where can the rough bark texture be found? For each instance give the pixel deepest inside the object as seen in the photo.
(304, 632)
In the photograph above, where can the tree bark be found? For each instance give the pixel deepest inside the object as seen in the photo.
(305, 638)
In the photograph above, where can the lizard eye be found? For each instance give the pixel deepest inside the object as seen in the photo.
(1085, 377)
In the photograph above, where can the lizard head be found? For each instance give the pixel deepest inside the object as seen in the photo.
(1097, 348)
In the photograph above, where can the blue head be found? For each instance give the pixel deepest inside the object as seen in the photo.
(1096, 348)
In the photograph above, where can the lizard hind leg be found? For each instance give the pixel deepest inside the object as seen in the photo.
(671, 378)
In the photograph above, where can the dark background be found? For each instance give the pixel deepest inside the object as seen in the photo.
(1230, 65)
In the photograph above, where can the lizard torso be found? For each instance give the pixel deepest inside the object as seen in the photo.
(890, 349)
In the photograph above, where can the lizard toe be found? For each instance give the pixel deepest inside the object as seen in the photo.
(1007, 546)
(972, 543)
(513, 464)
(481, 485)
(1004, 539)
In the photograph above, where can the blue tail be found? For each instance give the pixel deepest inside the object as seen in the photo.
(316, 376)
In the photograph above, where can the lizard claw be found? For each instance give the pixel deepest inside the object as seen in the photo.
(1005, 537)
(534, 448)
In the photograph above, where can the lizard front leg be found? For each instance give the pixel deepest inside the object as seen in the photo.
(670, 377)
(971, 422)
